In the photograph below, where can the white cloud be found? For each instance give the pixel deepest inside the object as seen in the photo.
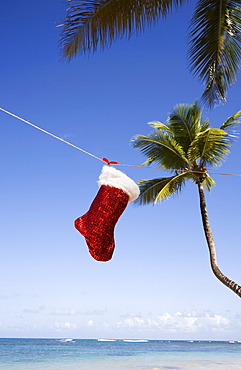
(66, 136)
(68, 312)
(179, 325)
(11, 295)
(34, 310)
(64, 325)
(18, 315)
(128, 315)
(178, 322)
(90, 323)
(93, 311)
(84, 311)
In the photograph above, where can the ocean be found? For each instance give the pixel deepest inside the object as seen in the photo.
(104, 354)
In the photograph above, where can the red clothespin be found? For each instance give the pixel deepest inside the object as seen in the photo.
(109, 162)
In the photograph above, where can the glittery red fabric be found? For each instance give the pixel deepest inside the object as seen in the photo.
(97, 225)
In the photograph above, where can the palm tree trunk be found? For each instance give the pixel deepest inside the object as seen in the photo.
(211, 246)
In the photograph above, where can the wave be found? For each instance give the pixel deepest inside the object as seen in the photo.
(106, 340)
(136, 340)
(66, 340)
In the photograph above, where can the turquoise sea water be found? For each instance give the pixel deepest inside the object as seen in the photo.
(100, 354)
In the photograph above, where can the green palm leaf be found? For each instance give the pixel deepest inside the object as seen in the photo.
(160, 126)
(161, 148)
(154, 190)
(208, 182)
(185, 122)
(210, 146)
(231, 121)
(100, 22)
(215, 51)
(205, 125)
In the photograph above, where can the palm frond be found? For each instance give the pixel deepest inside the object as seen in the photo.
(185, 122)
(208, 183)
(215, 50)
(230, 122)
(164, 145)
(205, 125)
(160, 126)
(154, 190)
(94, 23)
(161, 148)
(210, 146)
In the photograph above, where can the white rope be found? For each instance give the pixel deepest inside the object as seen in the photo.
(49, 133)
(102, 160)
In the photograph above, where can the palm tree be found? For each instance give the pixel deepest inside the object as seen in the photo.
(186, 145)
(215, 34)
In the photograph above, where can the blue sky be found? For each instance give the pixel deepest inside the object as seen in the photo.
(159, 284)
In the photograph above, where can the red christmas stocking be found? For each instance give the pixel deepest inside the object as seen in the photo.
(97, 225)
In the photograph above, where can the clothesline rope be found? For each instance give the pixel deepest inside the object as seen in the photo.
(49, 133)
(94, 156)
